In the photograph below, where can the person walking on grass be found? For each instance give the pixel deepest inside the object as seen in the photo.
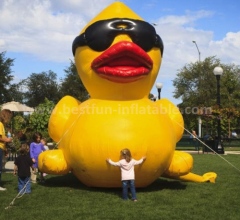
(22, 165)
(126, 165)
(36, 147)
(5, 118)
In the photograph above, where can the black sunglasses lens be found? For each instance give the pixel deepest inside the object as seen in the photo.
(144, 41)
(148, 41)
(97, 36)
(98, 41)
(100, 35)
(143, 34)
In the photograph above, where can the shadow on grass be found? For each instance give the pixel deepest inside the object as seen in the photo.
(68, 180)
(163, 183)
(71, 181)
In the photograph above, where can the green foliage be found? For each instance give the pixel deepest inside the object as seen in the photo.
(64, 197)
(15, 145)
(40, 86)
(16, 93)
(5, 78)
(19, 122)
(196, 85)
(40, 117)
(72, 84)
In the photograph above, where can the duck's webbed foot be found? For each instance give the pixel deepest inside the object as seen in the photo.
(181, 167)
(53, 162)
(207, 177)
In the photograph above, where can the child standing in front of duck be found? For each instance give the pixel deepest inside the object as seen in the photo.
(36, 147)
(126, 165)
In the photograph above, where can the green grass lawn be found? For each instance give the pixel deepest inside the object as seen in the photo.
(64, 197)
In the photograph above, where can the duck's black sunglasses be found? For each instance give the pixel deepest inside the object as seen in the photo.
(100, 35)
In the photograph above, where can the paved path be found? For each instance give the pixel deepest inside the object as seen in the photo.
(9, 166)
(232, 152)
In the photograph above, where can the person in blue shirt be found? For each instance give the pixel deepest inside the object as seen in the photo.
(36, 147)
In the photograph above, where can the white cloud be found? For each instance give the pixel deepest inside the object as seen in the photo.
(38, 28)
(228, 48)
(177, 33)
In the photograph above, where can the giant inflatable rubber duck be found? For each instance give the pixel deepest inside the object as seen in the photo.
(118, 56)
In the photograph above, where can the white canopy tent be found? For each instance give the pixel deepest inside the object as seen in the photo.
(17, 107)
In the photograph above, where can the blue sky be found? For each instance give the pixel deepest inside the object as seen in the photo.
(39, 34)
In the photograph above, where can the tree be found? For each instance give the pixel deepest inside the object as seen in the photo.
(39, 118)
(195, 84)
(230, 85)
(40, 86)
(230, 117)
(16, 92)
(72, 84)
(5, 78)
(19, 122)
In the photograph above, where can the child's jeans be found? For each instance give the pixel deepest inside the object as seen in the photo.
(125, 184)
(22, 181)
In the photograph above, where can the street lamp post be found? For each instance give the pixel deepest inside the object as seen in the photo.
(199, 117)
(218, 71)
(159, 88)
(199, 54)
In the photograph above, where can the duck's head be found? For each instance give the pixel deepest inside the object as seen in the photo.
(118, 55)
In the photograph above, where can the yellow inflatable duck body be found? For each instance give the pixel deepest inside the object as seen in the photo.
(118, 56)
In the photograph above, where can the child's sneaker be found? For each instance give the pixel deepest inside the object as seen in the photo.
(2, 189)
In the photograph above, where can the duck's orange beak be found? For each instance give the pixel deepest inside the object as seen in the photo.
(123, 62)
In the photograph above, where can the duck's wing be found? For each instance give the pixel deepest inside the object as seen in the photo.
(167, 107)
(60, 115)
